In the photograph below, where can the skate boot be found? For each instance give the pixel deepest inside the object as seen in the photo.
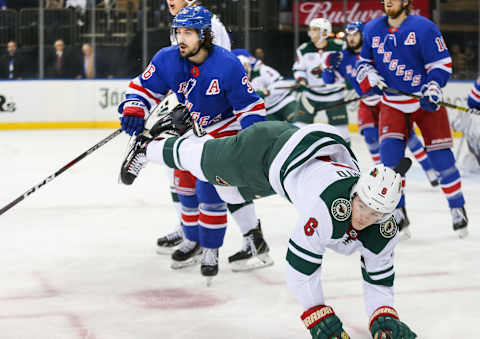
(460, 221)
(209, 264)
(254, 253)
(432, 177)
(188, 254)
(135, 160)
(166, 244)
(400, 215)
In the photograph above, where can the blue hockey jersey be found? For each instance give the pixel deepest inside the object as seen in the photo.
(348, 71)
(216, 91)
(474, 95)
(406, 57)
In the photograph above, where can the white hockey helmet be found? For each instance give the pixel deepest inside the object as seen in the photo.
(380, 188)
(322, 23)
(246, 62)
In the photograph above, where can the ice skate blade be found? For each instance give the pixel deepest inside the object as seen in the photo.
(253, 263)
(176, 265)
(462, 232)
(165, 250)
(405, 234)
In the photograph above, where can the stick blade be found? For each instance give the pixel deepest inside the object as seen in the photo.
(403, 166)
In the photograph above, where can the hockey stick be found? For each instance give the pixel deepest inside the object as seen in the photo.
(313, 86)
(60, 171)
(347, 102)
(441, 103)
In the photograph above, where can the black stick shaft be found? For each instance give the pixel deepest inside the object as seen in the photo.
(60, 171)
(345, 102)
(441, 103)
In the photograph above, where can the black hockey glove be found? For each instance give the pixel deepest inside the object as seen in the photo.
(177, 121)
(323, 323)
(384, 324)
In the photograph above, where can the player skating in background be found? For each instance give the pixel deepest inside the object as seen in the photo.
(469, 125)
(212, 83)
(407, 53)
(278, 93)
(314, 168)
(344, 63)
(167, 243)
(313, 96)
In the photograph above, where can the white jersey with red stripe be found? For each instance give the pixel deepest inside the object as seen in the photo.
(217, 92)
(407, 57)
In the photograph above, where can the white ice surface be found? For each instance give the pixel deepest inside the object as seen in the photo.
(77, 258)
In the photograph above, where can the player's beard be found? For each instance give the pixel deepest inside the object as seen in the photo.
(357, 46)
(189, 53)
(392, 13)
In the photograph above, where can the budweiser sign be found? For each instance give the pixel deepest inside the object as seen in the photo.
(363, 11)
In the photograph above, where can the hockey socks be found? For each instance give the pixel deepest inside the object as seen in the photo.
(370, 134)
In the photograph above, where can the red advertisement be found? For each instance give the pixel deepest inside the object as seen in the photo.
(356, 10)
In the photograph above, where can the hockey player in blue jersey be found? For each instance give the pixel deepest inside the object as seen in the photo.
(212, 83)
(344, 62)
(408, 53)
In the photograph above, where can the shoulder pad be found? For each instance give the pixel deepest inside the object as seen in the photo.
(307, 47)
(376, 237)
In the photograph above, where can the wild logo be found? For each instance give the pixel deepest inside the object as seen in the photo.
(341, 209)
(388, 229)
(6, 106)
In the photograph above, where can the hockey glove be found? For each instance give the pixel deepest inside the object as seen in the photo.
(300, 85)
(323, 323)
(431, 96)
(334, 60)
(369, 79)
(328, 76)
(133, 116)
(384, 324)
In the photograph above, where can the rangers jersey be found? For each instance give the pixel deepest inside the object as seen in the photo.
(474, 95)
(308, 66)
(406, 57)
(347, 70)
(216, 91)
(220, 35)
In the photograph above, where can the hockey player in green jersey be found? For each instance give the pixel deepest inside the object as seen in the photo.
(314, 169)
(314, 94)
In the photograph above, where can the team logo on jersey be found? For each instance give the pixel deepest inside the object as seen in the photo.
(411, 39)
(148, 72)
(388, 229)
(220, 181)
(341, 209)
(213, 88)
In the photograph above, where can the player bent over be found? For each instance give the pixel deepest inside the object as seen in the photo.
(314, 169)
(407, 53)
(212, 83)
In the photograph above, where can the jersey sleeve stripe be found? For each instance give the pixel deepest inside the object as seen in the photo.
(475, 94)
(315, 257)
(144, 91)
(443, 64)
(386, 280)
(258, 107)
(168, 152)
(301, 265)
